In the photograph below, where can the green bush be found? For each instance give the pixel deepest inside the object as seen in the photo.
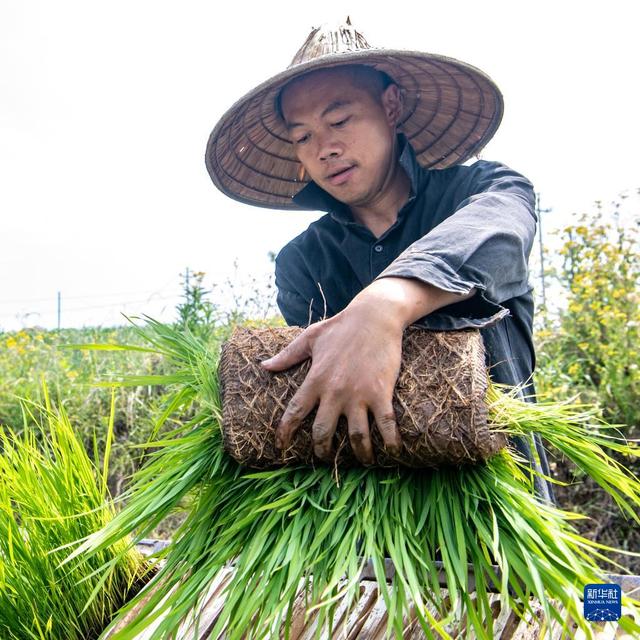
(592, 347)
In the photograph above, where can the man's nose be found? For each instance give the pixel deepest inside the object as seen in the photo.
(328, 148)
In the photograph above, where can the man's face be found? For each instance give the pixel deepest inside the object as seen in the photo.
(343, 133)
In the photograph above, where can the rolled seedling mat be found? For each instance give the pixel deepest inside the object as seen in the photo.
(439, 402)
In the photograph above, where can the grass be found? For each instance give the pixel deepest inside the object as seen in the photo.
(281, 527)
(52, 494)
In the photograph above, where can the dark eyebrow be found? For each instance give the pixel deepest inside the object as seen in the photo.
(336, 104)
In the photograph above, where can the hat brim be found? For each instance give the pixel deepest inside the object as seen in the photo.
(451, 111)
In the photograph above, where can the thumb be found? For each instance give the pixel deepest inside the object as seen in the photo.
(296, 351)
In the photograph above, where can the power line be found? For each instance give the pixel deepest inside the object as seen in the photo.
(81, 297)
(122, 304)
(111, 305)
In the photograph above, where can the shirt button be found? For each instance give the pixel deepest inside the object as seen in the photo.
(377, 248)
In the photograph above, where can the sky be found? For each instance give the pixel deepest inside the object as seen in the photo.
(106, 107)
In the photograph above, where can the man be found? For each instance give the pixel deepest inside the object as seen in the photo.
(400, 244)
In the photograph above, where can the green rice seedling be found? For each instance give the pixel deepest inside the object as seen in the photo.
(318, 528)
(51, 494)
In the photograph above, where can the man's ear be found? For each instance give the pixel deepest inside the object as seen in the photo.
(392, 103)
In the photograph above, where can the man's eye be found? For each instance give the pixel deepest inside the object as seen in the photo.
(302, 139)
(342, 122)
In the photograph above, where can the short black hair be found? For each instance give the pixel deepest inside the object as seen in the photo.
(368, 78)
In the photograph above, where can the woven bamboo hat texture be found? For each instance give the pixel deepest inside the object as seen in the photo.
(451, 111)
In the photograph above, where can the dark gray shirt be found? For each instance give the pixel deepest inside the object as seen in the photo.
(464, 227)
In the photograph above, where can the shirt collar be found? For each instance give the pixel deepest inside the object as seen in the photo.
(314, 198)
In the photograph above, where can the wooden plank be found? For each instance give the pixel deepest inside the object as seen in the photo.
(375, 623)
(358, 616)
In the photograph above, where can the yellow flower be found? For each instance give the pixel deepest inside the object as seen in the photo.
(574, 369)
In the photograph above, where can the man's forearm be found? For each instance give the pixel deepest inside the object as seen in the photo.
(405, 300)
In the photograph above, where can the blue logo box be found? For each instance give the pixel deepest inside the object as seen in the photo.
(602, 602)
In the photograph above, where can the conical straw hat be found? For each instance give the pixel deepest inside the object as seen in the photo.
(451, 111)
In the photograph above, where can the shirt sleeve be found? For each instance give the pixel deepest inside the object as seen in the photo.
(296, 300)
(482, 242)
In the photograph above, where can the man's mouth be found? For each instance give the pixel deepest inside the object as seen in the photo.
(340, 175)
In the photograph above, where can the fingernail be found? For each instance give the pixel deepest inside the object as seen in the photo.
(266, 362)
